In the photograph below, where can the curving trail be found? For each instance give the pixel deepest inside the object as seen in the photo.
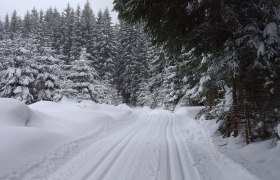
(156, 146)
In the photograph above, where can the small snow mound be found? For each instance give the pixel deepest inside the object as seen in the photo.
(123, 107)
(13, 112)
(189, 111)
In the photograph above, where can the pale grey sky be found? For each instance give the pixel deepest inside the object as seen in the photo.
(8, 6)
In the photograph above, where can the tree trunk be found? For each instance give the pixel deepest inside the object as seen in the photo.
(234, 107)
(247, 124)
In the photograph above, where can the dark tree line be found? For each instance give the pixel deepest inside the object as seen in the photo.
(228, 52)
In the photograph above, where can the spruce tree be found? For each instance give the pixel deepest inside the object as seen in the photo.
(77, 35)
(35, 19)
(27, 25)
(88, 23)
(7, 24)
(68, 21)
(106, 46)
(14, 24)
(82, 80)
(19, 76)
(2, 30)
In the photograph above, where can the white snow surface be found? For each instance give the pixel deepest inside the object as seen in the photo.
(13, 113)
(88, 141)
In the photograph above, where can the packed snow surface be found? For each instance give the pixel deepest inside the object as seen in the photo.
(87, 141)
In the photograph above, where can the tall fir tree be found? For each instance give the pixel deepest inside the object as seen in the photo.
(14, 24)
(82, 80)
(68, 20)
(77, 35)
(2, 30)
(27, 25)
(88, 25)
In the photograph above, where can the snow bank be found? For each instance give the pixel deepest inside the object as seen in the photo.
(259, 158)
(205, 154)
(18, 139)
(29, 132)
(13, 112)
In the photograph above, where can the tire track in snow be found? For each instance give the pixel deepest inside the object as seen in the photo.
(176, 167)
(146, 157)
(122, 150)
(69, 169)
(167, 150)
(186, 161)
(114, 147)
(190, 166)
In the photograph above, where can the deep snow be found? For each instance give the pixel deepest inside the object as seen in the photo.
(69, 140)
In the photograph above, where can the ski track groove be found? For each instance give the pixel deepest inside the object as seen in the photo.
(148, 164)
(167, 150)
(127, 139)
(122, 150)
(85, 156)
(188, 154)
(178, 153)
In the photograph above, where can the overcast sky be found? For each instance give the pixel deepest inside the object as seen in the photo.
(8, 6)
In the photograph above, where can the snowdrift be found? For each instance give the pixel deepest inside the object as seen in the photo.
(13, 112)
(28, 132)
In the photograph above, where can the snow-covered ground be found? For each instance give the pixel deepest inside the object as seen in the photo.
(69, 140)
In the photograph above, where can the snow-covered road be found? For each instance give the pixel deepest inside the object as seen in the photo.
(143, 145)
(149, 149)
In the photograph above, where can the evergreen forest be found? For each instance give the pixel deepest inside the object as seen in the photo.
(223, 55)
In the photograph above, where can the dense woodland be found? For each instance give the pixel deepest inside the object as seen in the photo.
(214, 54)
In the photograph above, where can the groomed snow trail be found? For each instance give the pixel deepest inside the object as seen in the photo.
(150, 146)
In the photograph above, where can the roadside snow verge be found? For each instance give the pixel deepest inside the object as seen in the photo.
(207, 158)
(29, 132)
(258, 160)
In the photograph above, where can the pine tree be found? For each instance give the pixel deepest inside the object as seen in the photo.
(88, 23)
(14, 24)
(82, 80)
(27, 25)
(2, 30)
(57, 31)
(7, 24)
(68, 20)
(48, 75)
(47, 81)
(77, 35)
(35, 20)
(19, 76)
(131, 62)
(53, 28)
(106, 46)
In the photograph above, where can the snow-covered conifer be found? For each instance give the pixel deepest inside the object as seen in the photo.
(82, 80)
